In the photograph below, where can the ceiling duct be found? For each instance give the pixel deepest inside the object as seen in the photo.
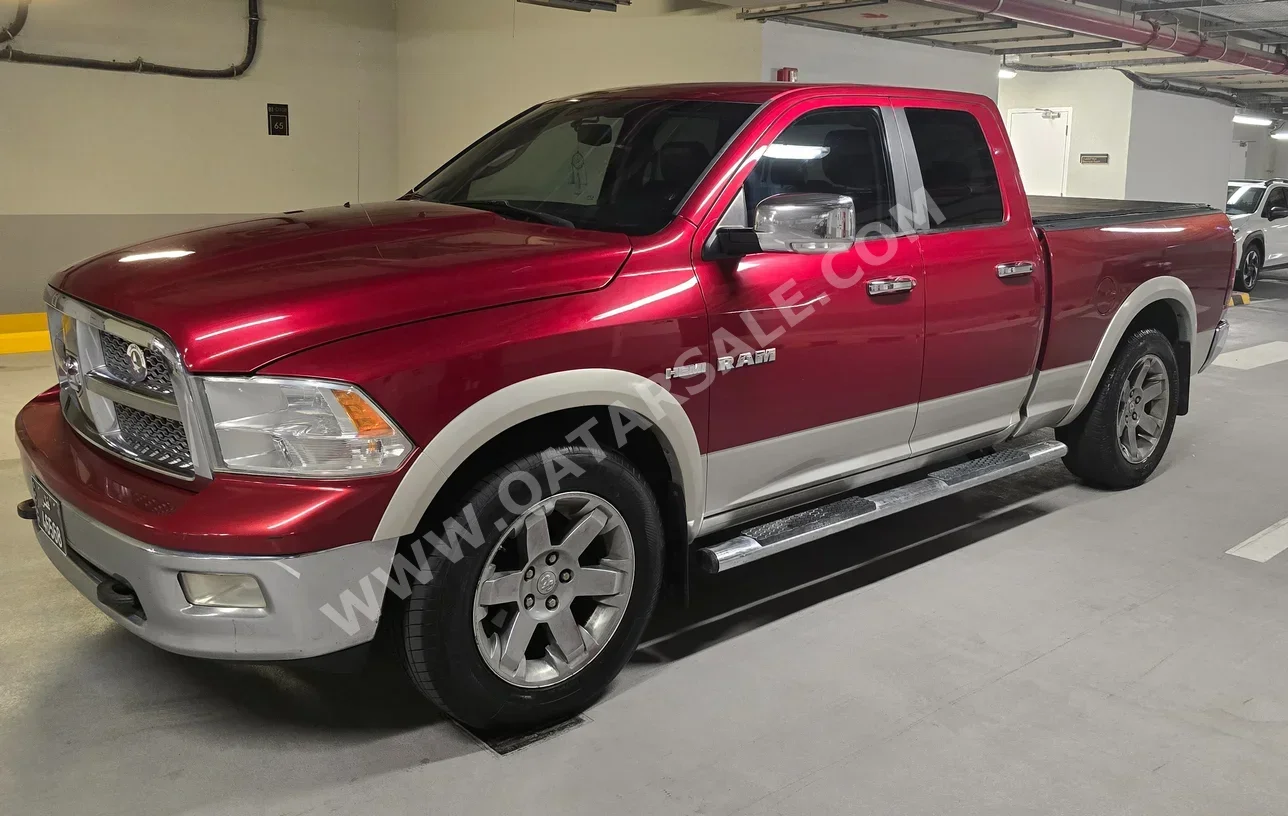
(1092, 23)
(579, 5)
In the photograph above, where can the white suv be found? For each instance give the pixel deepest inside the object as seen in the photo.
(1258, 211)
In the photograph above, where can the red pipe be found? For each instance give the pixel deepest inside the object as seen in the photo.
(1093, 23)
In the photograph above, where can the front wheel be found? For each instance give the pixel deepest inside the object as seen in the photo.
(1249, 272)
(1123, 432)
(532, 625)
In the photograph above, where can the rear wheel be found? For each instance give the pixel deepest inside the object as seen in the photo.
(1249, 272)
(1122, 434)
(534, 624)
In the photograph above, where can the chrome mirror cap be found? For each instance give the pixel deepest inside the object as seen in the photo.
(806, 223)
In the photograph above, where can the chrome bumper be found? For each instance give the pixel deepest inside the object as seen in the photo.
(296, 588)
(1218, 344)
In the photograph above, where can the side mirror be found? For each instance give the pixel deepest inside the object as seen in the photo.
(1275, 213)
(804, 223)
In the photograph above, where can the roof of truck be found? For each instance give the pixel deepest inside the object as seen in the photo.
(761, 92)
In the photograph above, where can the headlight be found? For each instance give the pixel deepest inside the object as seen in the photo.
(300, 428)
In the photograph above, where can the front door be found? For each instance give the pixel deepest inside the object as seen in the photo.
(822, 377)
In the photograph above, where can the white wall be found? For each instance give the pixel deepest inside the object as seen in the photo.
(829, 56)
(1261, 150)
(145, 153)
(1102, 103)
(1179, 148)
(465, 66)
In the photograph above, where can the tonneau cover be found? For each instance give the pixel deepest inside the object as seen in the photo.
(1057, 212)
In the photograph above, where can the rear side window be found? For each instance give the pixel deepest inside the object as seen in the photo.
(956, 167)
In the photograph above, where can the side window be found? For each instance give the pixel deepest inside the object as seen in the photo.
(956, 167)
(835, 150)
(1278, 198)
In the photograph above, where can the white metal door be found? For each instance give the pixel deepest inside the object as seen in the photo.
(1238, 160)
(1040, 137)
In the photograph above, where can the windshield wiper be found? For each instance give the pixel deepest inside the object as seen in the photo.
(505, 208)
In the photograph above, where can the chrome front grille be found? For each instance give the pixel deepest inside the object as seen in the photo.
(117, 360)
(123, 388)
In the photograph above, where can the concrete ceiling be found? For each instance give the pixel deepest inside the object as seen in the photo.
(1251, 25)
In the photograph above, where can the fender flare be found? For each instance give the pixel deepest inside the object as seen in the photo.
(1166, 288)
(1243, 243)
(539, 396)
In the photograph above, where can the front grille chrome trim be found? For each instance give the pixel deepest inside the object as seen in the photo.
(95, 379)
(105, 387)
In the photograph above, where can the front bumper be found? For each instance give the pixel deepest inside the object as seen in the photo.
(297, 590)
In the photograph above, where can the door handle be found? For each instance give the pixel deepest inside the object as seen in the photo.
(1014, 270)
(891, 286)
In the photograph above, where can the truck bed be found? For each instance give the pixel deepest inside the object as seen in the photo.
(1057, 212)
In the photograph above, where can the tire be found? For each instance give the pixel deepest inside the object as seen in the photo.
(446, 629)
(1250, 266)
(1098, 453)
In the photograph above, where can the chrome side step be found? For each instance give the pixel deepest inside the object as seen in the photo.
(773, 537)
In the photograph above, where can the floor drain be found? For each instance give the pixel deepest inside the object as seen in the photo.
(507, 742)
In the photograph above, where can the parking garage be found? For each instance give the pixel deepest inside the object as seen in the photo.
(850, 405)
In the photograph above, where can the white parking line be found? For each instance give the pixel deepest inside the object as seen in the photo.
(1264, 545)
(1254, 356)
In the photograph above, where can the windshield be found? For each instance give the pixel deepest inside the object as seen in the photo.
(617, 165)
(1243, 199)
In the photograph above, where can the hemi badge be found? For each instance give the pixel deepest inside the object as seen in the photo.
(686, 371)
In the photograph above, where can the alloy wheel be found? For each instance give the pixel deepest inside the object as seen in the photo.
(1251, 268)
(1142, 409)
(554, 590)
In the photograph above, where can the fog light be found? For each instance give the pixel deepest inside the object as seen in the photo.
(222, 589)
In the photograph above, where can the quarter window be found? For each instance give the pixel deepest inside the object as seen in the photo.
(957, 169)
(1278, 198)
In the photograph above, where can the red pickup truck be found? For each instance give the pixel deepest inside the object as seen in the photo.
(620, 336)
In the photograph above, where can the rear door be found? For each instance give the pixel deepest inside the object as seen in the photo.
(985, 283)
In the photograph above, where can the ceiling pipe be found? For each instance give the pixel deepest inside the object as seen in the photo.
(1092, 23)
(19, 20)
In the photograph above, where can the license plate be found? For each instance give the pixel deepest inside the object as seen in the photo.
(49, 514)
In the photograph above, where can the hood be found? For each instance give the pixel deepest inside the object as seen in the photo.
(254, 291)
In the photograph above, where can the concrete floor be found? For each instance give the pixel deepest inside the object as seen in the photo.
(1030, 647)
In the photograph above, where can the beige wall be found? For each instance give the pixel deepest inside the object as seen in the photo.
(128, 156)
(1101, 102)
(465, 67)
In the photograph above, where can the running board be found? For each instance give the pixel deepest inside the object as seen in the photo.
(773, 537)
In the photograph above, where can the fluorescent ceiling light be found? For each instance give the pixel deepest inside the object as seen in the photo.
(1242, 119)
(800, 152)
(1281, 135)
(1005, 73)
(156, 256)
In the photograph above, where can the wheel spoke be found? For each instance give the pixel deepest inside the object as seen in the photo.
(514, 642)
(536, 534)
(584, 532)
(597, 582)
(1141, 372)
(1151, 393)
(567, 636)
(1133, 450)
(1150, 425)
(500, 588)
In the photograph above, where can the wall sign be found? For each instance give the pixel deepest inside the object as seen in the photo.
(279, 120)
(1093, 158)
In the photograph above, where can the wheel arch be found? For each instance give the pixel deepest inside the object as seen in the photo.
(1143, 307)
(531, 400)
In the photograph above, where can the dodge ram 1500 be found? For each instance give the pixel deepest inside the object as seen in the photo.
(622, 335)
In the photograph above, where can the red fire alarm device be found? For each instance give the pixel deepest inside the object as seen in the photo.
(787, 74)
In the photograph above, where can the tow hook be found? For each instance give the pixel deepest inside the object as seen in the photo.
(119, 597)
(27, 510)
